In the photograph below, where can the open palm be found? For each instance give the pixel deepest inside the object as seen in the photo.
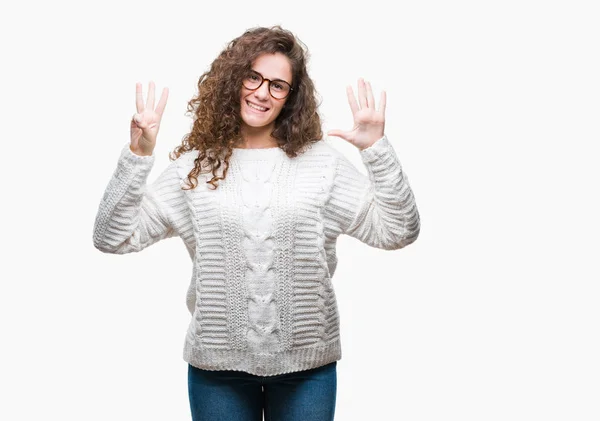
(146, 122)
(369, 122)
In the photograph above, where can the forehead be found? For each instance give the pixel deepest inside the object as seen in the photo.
(273, 66)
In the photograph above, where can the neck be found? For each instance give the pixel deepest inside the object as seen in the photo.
(257, 137)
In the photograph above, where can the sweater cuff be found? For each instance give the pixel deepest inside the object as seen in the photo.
(376, 151)
(134, 159)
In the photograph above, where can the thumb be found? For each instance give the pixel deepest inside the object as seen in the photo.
(338, 133)
(138, 120)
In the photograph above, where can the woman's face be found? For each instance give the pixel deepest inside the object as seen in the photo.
(258, 108)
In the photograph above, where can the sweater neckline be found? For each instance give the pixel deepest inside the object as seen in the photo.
(270, 153)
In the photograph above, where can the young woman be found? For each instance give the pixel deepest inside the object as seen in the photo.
(259, 199)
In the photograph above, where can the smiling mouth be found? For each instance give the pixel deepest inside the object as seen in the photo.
(256, 107)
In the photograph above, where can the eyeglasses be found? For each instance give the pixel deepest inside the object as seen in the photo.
(279, 89)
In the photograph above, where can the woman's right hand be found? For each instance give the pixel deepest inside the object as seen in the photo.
(146, 122)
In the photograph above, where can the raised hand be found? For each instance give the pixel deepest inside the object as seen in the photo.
(369, 122)
(146, 122)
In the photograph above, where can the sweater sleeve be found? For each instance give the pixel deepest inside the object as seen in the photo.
(133, 215)
(380, 209)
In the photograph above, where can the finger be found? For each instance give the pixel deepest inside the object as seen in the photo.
(362, 96)
(370, 98)
(162, 102)
(139, 99)
(352, 100)
(382, 99)
(150, 100)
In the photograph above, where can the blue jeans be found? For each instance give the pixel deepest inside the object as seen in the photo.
(223, 395)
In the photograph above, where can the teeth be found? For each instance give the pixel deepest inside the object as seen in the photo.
(256, 107)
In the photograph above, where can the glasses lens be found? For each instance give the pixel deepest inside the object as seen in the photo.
(280, 89)
(252, 81)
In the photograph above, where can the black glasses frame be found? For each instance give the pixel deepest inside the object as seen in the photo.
(270, 81)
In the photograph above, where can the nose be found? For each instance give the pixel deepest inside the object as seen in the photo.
(263, 91)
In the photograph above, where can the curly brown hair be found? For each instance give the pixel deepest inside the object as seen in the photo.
(216, 107)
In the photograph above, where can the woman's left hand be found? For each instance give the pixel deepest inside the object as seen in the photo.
(368, 121)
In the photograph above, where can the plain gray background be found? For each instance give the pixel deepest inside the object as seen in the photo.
(493, 110)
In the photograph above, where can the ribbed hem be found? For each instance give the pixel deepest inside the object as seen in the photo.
(262, 364)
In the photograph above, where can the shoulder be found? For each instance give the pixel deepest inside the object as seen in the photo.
(184, 163)
(323, 148)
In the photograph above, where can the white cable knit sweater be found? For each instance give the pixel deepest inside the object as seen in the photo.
(262, 245)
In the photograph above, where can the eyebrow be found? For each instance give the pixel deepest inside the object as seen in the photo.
(278, 80)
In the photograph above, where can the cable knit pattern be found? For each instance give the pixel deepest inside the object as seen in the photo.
(255, 191)
(262, 245)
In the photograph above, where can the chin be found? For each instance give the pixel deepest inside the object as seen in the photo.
(253, 120)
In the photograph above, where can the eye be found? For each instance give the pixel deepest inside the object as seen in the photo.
(253, 77)
(278, 86)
